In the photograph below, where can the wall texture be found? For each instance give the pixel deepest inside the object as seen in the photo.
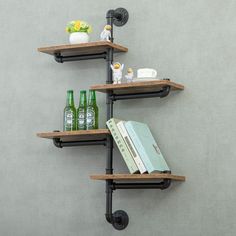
(45, 191)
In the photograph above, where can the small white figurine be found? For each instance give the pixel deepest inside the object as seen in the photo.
(117, 72)
(130, 75)
(106, 33)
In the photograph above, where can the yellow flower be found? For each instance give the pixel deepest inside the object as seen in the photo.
(77, 25)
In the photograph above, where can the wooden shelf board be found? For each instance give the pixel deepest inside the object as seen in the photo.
(79, 135)
(136, 87)
(138, 177)
(83, 48)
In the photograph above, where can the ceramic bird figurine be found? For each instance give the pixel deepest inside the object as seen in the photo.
(106, 33)
(117, 69)
(129, 76)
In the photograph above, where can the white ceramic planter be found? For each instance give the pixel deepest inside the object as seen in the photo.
(79, 37)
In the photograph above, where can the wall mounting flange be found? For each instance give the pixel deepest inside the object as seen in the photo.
(120, 220)
(120, 16)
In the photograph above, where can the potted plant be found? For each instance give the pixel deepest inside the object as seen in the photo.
(78, 31)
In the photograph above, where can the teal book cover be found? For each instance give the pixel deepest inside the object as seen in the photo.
(146, 146)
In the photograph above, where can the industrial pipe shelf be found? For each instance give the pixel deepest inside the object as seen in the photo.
(105, 50)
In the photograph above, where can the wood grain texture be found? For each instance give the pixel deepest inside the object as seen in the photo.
(136, 87)
(138, 177)
(83, 48)
(78, 135)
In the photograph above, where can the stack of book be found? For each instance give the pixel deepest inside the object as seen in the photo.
(137, 146)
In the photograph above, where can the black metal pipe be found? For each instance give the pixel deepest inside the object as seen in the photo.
(60, 144)
(57, 142)
(114, 14)
(84, 143)
(162, 93)
(110, 20)
(166, 184)
(109, 103)
(165, 91)
(109, 170)
(60, 59)
(161, 185)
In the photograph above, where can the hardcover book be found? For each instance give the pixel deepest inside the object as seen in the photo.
(146, 146)
(135, 154)
(111, 124)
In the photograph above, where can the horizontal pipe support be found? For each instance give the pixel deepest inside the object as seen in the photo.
(161, 185)
(60, 144)
(60, 59)
(162, 93)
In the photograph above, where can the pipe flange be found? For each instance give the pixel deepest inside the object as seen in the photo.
(121, 16)
(120, 220)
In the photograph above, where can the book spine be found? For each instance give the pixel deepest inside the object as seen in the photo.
(131, 147)
(122, 146)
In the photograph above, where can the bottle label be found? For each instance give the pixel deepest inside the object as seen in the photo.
(69, 119)
(81, 119)
(90, 118)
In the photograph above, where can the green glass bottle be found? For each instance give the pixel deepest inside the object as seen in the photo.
(69, 113)
(81, 111)
(92, 111)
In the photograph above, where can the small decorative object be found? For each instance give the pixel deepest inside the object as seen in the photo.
(78, 31)
(146, 73)
(106, 33)
(129, 76)
(117, 69)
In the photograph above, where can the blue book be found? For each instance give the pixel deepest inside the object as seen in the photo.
(146, 146)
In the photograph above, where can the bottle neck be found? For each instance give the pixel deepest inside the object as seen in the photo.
(70, 99)
(82, 99)
(92, 98)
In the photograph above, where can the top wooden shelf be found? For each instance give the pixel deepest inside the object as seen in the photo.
(83, 48)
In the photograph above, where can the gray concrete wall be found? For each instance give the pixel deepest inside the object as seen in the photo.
(45, 191)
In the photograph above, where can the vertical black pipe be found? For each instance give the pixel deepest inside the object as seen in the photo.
(109, 102)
